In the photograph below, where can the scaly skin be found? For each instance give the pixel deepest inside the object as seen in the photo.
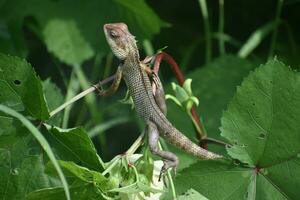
(123, 45)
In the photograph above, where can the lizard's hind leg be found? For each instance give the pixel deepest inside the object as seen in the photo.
(170, 159)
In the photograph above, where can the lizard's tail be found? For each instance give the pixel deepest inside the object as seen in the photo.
(179, 140)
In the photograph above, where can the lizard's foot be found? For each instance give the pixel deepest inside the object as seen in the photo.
(167, 165)
(99, 89)
(170, 159)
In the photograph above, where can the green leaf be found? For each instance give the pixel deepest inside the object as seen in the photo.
(10, 98)
(64, 39)
(256, 38)
(245, 183)
(86, 175)
(75, 145)
(21, 87)
(189, 104)
(43, 142)
(262, 120)
(180, 94)
(90, 180)
(212, 178)
(184, 95)
(286, 176)
(142, 15)
(194, 100)
(192, 194)
(187, 86)
(80, 192)
(54, 99)
(21, 164)
(6, 125)
(174, 99)
(19, 179)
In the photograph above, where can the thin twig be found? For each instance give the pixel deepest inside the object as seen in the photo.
(221, 27)
(132, 149)
(214, 141)
(275, 32)
(81, 95)
(137, 143)
(204, 12)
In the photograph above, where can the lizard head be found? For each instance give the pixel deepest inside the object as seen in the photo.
(120, 40)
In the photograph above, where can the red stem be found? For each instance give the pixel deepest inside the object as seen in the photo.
(180, 78)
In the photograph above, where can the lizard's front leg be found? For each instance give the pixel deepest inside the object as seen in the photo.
(159, 94)
(157, 88)
(114, 86)
(170, 159)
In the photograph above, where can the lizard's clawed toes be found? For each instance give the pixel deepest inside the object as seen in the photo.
(167, 165)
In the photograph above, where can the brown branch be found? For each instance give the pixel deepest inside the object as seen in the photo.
(209, 140)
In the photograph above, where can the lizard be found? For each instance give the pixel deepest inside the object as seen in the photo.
(124, 46)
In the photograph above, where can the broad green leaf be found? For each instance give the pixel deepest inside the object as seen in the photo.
(86, 175)
(9, 97)
(64, 40)
(264, 189)
(140, 14)
(18, 179)
(54, 99)
(192, 194)
(224, 180)
(262, 120)
(42, 141)
(21, 88)
(75, 145)
(95, 181)
(6, 125)
(21, 164)
(214, 180)
(80, 192)
(285, 176)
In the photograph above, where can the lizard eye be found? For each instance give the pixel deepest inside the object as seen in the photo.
(113, 34)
